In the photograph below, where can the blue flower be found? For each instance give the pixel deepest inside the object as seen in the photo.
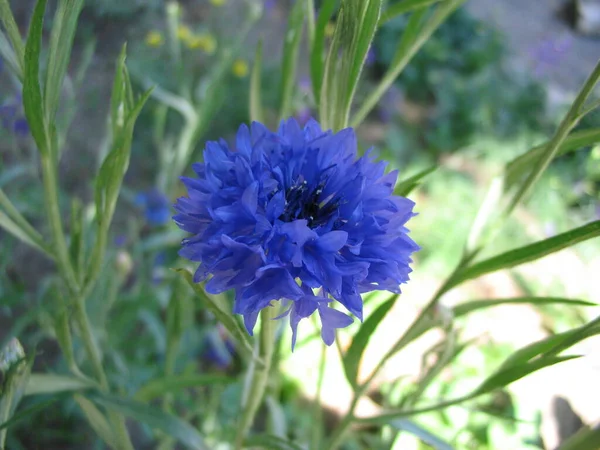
(156, 207)
(296, 216)
(13, 118)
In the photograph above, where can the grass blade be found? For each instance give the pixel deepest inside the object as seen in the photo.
(289, 61)
(403, 7)
(256, 108)
(476, 305)
(161, 386)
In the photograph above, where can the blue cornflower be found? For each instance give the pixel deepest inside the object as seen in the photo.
(13, 118)
(156, 205)
(295, 215)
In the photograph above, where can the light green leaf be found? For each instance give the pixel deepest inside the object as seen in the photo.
(426, 436)
(518, 167)
(96, 420)
(24, 413)
(162, 386)
(224, 317)
(441, 12)
(8, 55)
(13, 385)
(318, 46)
(291, 48)
(32, 94)
(61, 44)
(526, 254)
(76, 246)
(475, 305)
(361, 339)
(12, 29)
(47, 383)
(402, 7)
(587, 438)
(18, 232)
(405, 187)
(153, 417)
(256, 109)
(271, 442)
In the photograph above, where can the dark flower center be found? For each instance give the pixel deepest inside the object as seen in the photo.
(304, 202)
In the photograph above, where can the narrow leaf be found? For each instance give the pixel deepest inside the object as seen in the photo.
(585, 439)
(32, 240)
(291, 48)
(32, 94)
(25, 413)
(8, 21)
(475, 305)
(153, 417)
(361, 339)
(96, 420)
(527, 254)
(271, 442)
(8, 55)
(43, 383)
(162, 386)
(402, 7)
(404, 187)
(317, 60)
(256, 109)
(420, 432)
(224, 317)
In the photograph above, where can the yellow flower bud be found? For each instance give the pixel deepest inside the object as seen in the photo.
(183, 32)
(218, 2)
(154, 39)
(240, 68)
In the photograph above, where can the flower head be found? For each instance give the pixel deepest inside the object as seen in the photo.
(296, 216)
(154, 39)
(240, 68)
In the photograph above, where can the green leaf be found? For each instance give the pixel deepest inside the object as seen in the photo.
(441, 12)
(24, 413)
(291, 48)
(518, 167)
(402, 7)
(223, 316)
(317, 49)
(404, 187)
(514, 373)
(18, 232)
(585, 439)
(153, 417)
(46, 383)
(32, 94)
(96, 420)
(271, 442)
(475, 305)
(8, 55)
(13, 385)
(526, 254)
(361, 339)
(61, 44)
(12, 29)
(423, 434)
(162, 386)
(256, 109)
(76, 247)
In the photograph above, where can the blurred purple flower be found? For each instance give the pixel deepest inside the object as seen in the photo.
(371, 57)
(304, 115)
(219, 348)
(156, 205)
(13, 118)
(548, 53)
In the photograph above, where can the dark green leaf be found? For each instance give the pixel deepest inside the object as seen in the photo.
(527, 254)
(23, 414)
(32, 94)
(475, 305)
(162, 386)
(317, 51)
(153, 417)
(289, 61)
(423, 434)
(271, 442)
(361, 339)
(42, 383)
(12, 29)
(96, 420)
(404, 187)
(256, 109)
(402, 7)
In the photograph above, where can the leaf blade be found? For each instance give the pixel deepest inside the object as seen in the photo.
(156, 387)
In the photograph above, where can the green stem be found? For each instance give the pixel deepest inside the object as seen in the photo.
(317, 428)
(259, 375)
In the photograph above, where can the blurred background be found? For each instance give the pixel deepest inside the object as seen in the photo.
(492, 82)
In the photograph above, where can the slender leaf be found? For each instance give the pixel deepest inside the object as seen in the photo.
(519, 166)
(25, 413)
(271, 442)
(153, 417)
(224, 317)
(32, 94)
(256, 109)
(526, 254)
(291, 48)
(317, 60)
(514, 373)
(8, 21)
(410, 35)
(475, 305)
(8, 55)
(162, 386)
(587, 438)
(361, 339)
(426, 436)
(96, 420)
(403, 7)
(404, 187)
(21, 234)
(61, 43)
(45, 383)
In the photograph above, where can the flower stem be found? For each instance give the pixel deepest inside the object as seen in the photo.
(317, 429)
(259, 375)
